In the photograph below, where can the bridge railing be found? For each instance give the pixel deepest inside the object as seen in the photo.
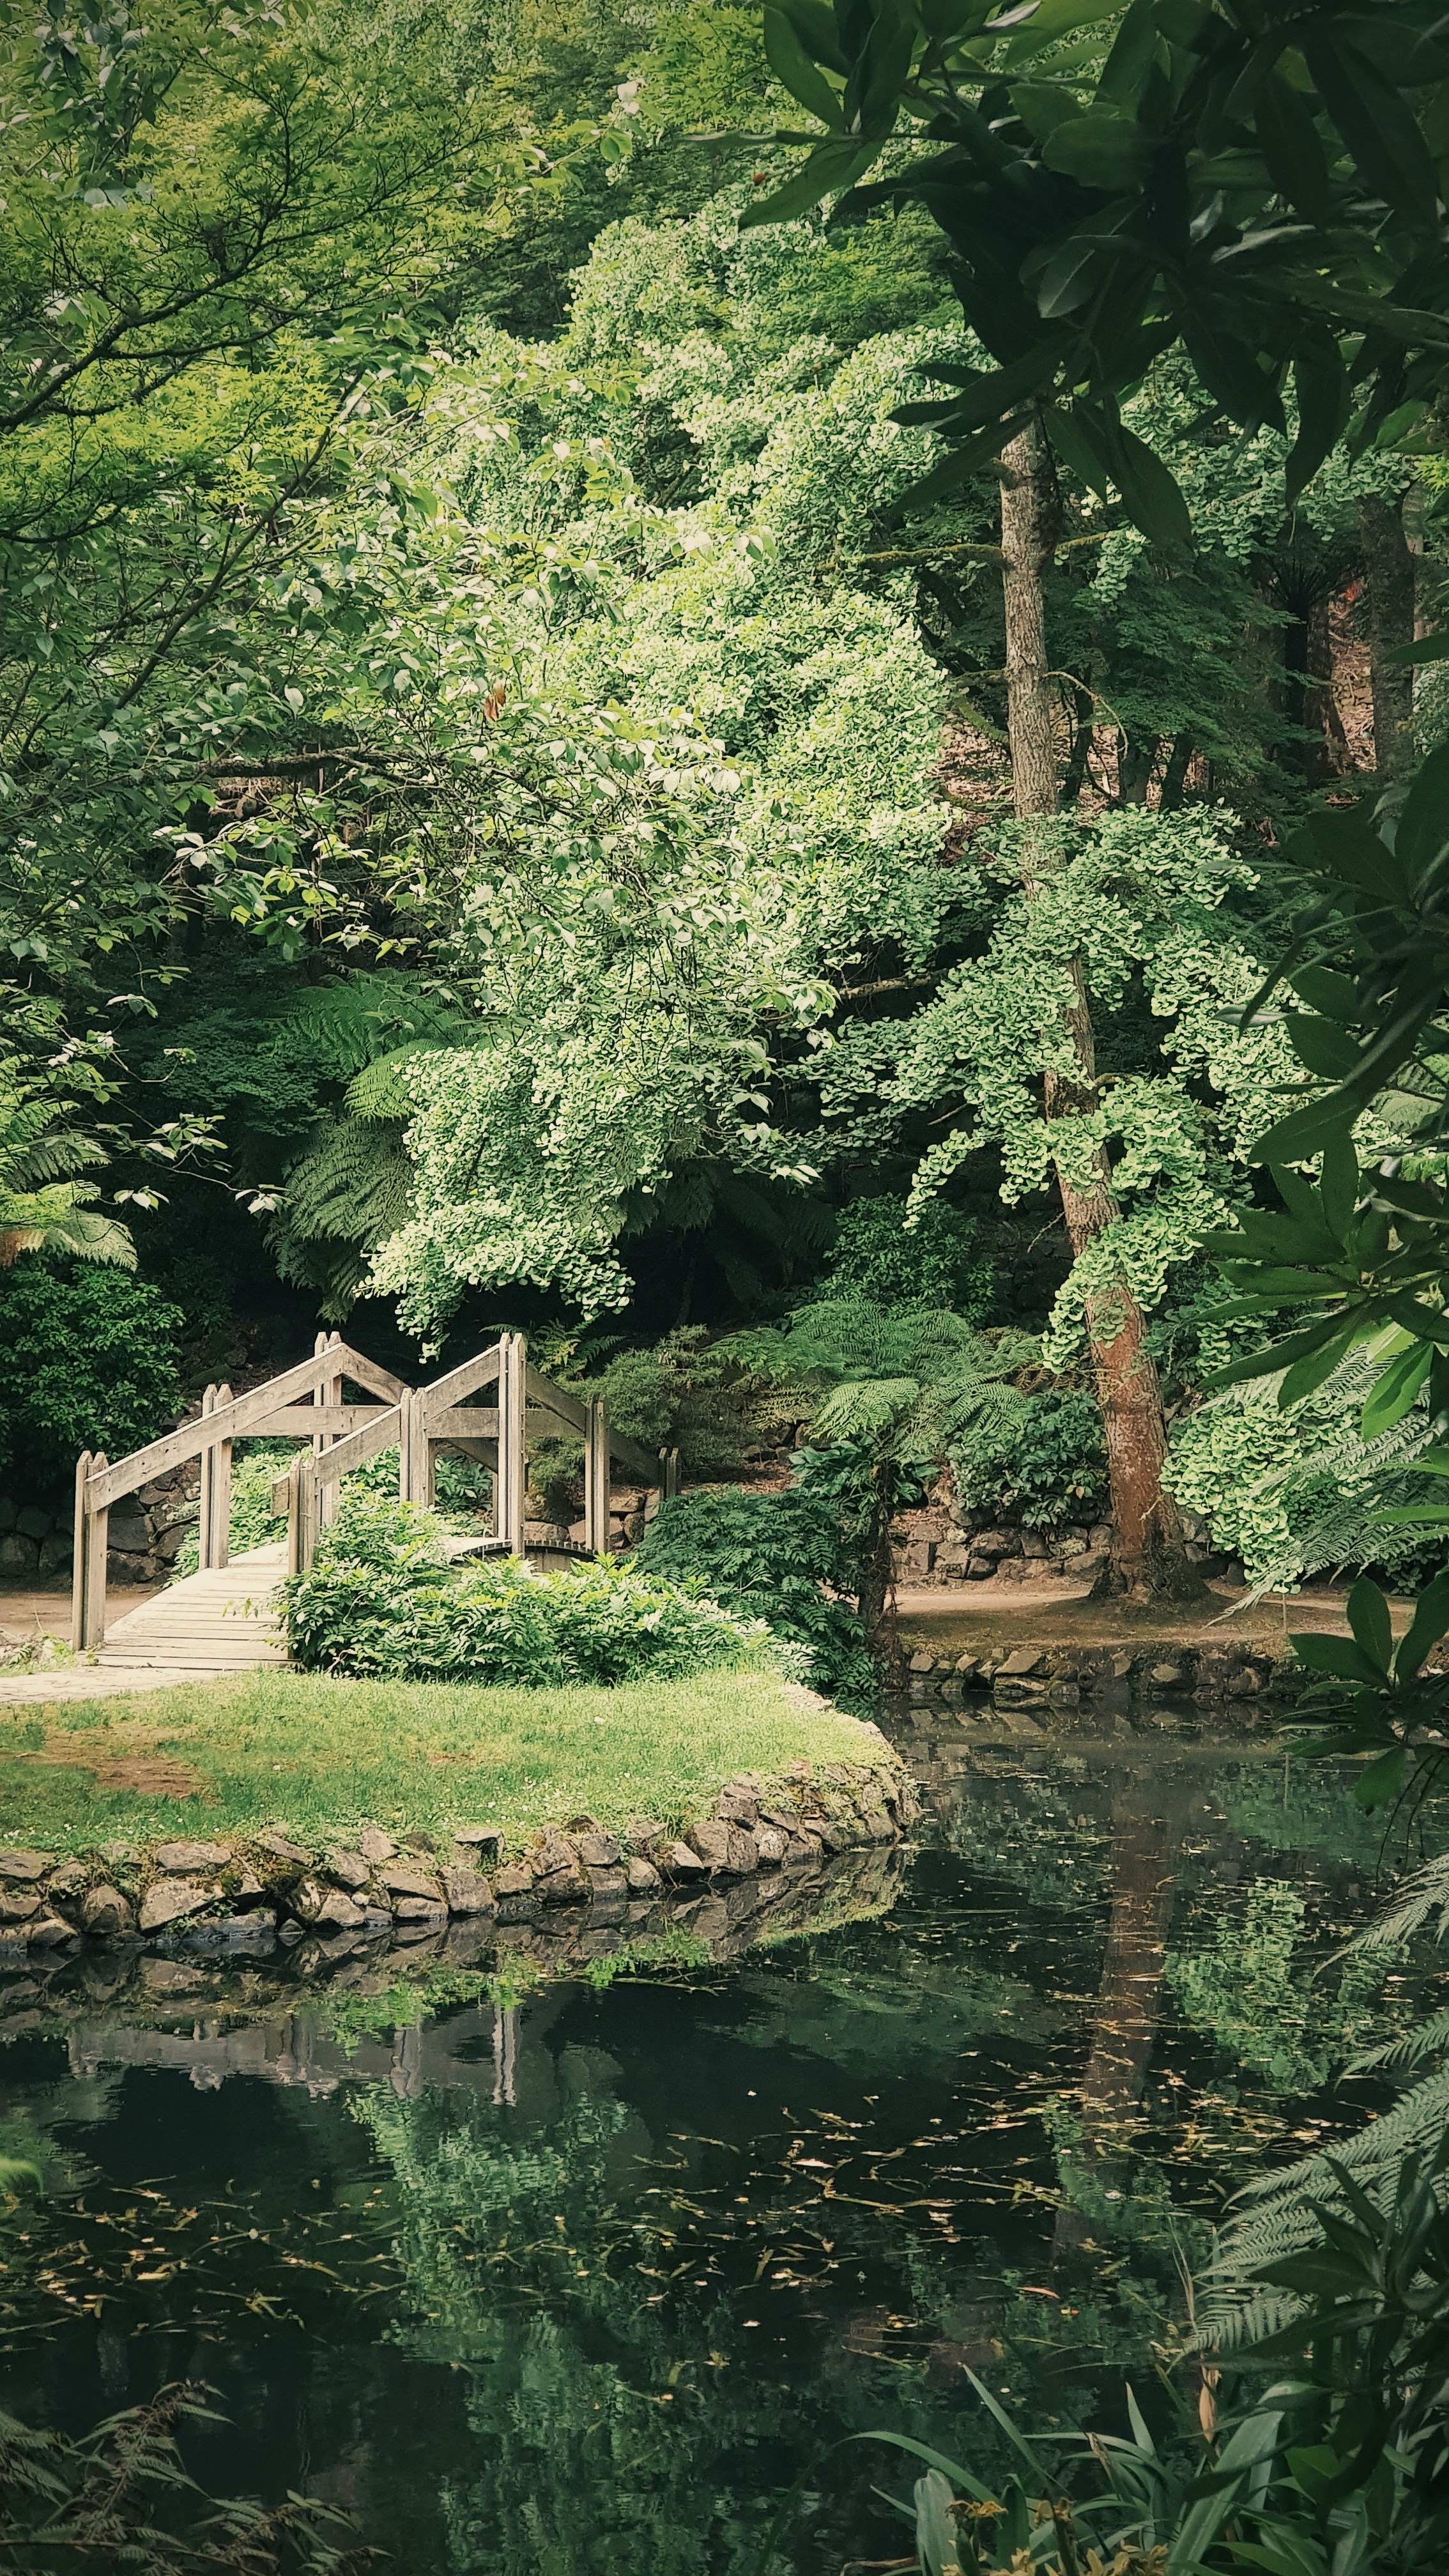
(420, 1422)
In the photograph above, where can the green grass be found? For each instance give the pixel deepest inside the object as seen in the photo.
(321, 1757)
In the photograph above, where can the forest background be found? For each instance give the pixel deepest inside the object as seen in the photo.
(509, 815)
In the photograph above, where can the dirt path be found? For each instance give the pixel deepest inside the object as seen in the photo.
(980, 1615)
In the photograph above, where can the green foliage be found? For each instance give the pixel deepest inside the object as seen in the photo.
(692, 1394)
(121, 2495)
(1042, 1465)
(382, 1599)
(90, 1363)
(1244, 1994)
(780, 1557)
(936, 1262)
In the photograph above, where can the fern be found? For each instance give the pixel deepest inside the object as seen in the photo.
(1427, 2039)
(1426, 1893)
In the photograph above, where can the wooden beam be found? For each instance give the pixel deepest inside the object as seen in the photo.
(465, 1379)
(596, 1477)
(230, 1422)
(365, 1372)
(305, 1421)
(463, 1422)
(364, 1443)
(557, 1400)
(509, 1483)
(645, 1462)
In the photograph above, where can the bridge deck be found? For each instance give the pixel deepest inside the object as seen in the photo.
(217, 1622)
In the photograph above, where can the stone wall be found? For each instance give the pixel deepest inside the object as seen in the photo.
(1065, 1677)
(944, 1544)
(146, 1534)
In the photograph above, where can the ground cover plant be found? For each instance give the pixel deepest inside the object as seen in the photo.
(325, 1756)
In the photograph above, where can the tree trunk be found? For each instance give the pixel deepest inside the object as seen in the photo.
(1148, 1552)
(1390, 570)
(1109, 2096)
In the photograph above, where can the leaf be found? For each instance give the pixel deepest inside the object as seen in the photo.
(795, 71)
(1151, 494)
(1338, 1186)
(1378, 125)
(954, 468)
(1320, 382)
(936, 2543)
(1289, 143)
(1368, 1617)
(1428, 1625)
(1306, 1376)
(1077, 446)
(1266, 1363)
(1100, 149)
(1429, 648)
(831, 167)
(1394, 1393)
(1251, 2443)
(1424, 824)
(1342, 1658)
(989, 398)
(1382, 1780)
(1226, 364)
(815, 27)
(1053, 19)
(1320, 1046)
(951, 2469)
(1334, 996)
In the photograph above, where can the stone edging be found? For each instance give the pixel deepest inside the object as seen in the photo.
(1015, 1677)
(247, 1893)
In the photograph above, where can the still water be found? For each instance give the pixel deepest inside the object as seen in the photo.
(585, 2277)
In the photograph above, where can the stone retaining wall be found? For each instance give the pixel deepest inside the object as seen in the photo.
(1065, 1676)
(146, 1535)
(249, 1894)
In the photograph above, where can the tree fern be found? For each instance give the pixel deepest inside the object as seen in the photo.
(42, 1206)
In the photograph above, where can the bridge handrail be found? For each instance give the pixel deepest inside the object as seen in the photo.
(245, 1413)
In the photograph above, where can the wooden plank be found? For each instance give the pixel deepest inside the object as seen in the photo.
(644, 1462)
(380, 1432)
(463, 1380)
(304, 1421)
(557, 1400)
(596, 1478)
(365, 1372)
(511, 1478)
(230, 1422)
(463, 1422)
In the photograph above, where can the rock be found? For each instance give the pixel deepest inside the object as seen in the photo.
(678, 1861)
(598, 1850)
(1026, 1659)
(607, 1886)
(48, 1932)
(24, 1865)
(770, 1843)
(1166, 1676)
(416, 1910)
(736, 1807)
(18, 1555)
(184, 1859)
(166, 1899)
(255, 1934)
(375, 1846)
(1087, 1567)
(410, 1882)
(346, 1868)
(744, 1851)
(65, 1880)
(922, 1661)
(711, 1842)
(481, 1837)
(8, 1513)
(324, 1908)
(274, 1840)
(374, 1920)
(642, 1877)
(467, 1892)
(18, 1909)
(515, 1880)
(104, 1911)
(553, 1852)
(248, 1884)
(565, 1886)
(643, 1830)
(56, 1555)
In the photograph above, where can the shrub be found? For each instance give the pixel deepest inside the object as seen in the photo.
(776, 1557)
(463, 1489)
(1044, 1466)
(939, 1263)
(382, 1600)
(90, 1363)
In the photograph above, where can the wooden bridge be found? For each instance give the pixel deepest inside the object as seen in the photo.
(225, 1609)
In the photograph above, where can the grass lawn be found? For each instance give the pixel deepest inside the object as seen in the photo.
(321, 1757)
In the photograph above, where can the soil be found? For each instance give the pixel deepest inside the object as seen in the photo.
(981, 1615)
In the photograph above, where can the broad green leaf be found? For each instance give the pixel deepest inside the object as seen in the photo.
(951, 2469)
(1306, 1376)
(1320, 1046)
(1042, 106)
(1054, 19)
(830, 168)
(1246, 2448)
(1078, 447)
(1368, 1617)
(1266, 1363)
(1376, 122)
(817, 32)
(1394, 1393)
(1424, 824)
(1288, 141)
(1151, 494)
(989, 398)
(955, 467)
(1338, 1185)
(793, 68)
(1429, 1623)
(1340, 1657)
(937, 2545)
(1102, 150)
(1430, 648)
(1382, 1780)
(1227, 364)
(1333, 996)
(1320, 381)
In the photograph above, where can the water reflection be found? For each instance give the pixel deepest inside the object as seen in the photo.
(581, 2278)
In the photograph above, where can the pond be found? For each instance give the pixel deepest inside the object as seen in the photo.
(584, 2277)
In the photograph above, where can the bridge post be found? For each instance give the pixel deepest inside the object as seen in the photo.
(510, 1482)
(88, 1574)
(414, 1450)
(326, 1391)
(596, 1477)
(214, 1530)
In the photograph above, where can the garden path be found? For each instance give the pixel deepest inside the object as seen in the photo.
(216, 1622)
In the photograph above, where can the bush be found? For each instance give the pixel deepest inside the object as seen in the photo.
(1045, 1466)
(463, 1490)
(90, 1363)
(938, 1263)
(776, 1557)
(382, 1600)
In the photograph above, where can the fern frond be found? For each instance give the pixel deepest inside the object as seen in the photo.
(353, 1186)
(1275, 2216)
(350, 1024)
(1426, 1892)
(381, 1089)
(1429, 2038)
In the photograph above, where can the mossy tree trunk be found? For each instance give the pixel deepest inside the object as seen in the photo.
(1149, 1556)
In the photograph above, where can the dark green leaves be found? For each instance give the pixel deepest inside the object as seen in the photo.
(796, 72)
(830, 168)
